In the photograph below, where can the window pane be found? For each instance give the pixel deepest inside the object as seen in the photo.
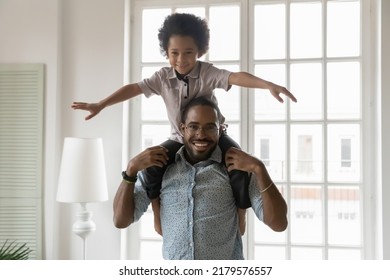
(233, 131)
(198, 11)
(306, 213)
(306, 153)
(343, 28)
(270, 31)
(266, 106)
(153, 135)
(224, 19)
(341, 169)
(343, 90)
(263, 234)
(300, 253)
(152, 19)
(306, 30)
(276, 135)
(344, 254)
(306, 85)
(344, 215)
(153, 108)
(269, 253)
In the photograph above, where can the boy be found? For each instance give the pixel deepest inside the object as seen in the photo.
(183, 39)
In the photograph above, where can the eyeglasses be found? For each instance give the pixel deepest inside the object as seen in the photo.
(209, 129)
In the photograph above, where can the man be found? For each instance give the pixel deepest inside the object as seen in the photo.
(198, 213)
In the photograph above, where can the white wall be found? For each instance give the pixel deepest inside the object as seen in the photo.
(81, 44)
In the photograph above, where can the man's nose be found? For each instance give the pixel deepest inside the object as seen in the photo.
(201, 131)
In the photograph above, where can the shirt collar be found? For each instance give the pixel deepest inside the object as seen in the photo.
(216, 156)
(193, 74)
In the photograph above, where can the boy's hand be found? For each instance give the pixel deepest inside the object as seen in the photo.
(93, 108)
(276, 90)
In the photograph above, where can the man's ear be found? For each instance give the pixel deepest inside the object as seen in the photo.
(182, 127)
(221, 128)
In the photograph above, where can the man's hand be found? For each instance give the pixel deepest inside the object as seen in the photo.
(240, 160)
(153, 156)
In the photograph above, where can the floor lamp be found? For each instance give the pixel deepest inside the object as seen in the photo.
(82, 179)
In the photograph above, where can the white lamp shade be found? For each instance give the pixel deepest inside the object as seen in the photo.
(82, 175)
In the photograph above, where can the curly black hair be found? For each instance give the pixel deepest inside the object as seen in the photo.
(202, 101)
(184, 25)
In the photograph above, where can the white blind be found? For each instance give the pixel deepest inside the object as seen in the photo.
(21, 150)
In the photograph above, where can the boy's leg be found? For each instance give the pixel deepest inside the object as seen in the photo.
(153, 178)
(241, 220)
(156, 215)
(153, 175)
(239, 180)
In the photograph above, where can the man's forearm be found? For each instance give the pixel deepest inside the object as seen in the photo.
(274, 205)
(124, 205)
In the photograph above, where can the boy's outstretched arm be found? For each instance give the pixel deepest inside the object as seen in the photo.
(122, 94)
(245, 79)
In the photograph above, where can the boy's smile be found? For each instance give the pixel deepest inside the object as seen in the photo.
(182, 53)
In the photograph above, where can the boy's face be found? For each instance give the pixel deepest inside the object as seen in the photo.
(182, 53)
(201, 133)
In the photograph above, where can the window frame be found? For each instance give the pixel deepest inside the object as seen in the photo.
(132, 110)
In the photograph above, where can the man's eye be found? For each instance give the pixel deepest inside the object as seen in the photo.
(210, 128)
(193, 127)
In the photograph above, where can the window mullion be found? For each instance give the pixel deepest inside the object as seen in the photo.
(325, 131)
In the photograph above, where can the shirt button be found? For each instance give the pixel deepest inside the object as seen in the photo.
(190, 223)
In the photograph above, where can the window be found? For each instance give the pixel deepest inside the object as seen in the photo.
(264, 150)
(345, 152)
(312, 148)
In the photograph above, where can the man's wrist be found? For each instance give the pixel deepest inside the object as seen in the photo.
(129, 179)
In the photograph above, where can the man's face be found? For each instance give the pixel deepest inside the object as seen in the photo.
(201, 133)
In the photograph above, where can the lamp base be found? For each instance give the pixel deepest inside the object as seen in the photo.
(84, 226)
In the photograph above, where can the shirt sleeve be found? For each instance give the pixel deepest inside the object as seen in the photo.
(215, 77)
(153, 84)
(256, 198)
(141, 200)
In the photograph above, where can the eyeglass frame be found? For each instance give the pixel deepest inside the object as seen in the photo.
(207, 129)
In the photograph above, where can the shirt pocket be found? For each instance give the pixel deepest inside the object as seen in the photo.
(173, 201)
(169, 198)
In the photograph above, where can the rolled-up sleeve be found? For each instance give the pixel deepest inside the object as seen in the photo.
(141, 200)
(256, 198)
